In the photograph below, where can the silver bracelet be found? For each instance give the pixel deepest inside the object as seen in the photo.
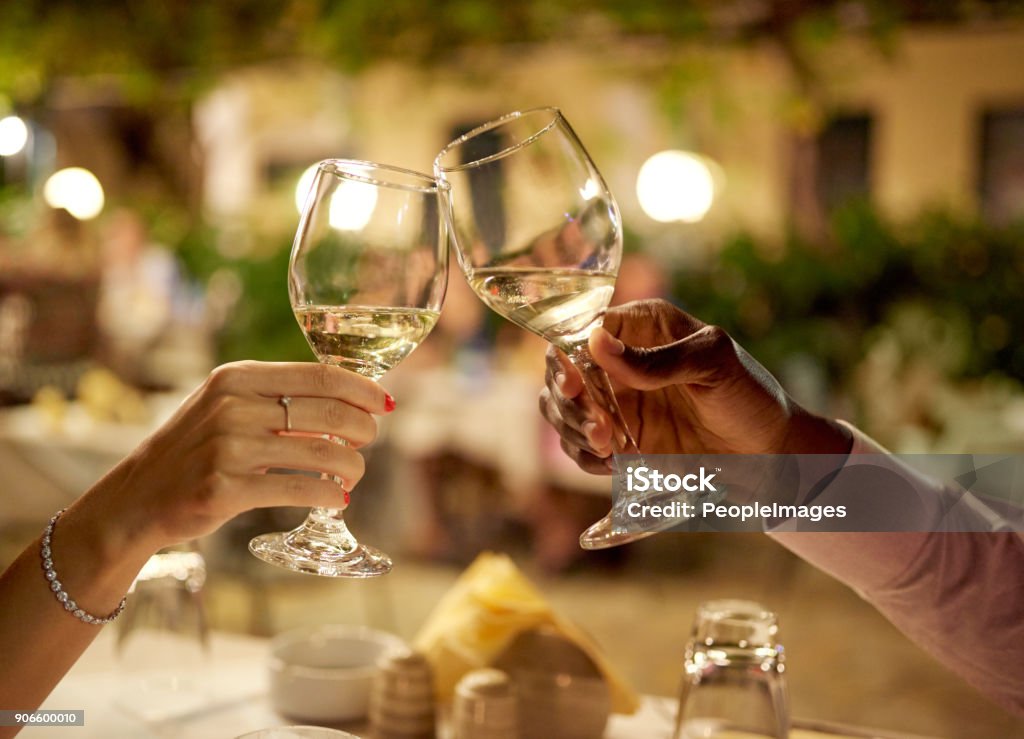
(58, 590)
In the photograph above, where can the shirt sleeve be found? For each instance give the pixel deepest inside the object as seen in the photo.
(960, 596)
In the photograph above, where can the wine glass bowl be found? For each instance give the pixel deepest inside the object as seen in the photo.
(366, 279)
(538, 233)
(539, 237)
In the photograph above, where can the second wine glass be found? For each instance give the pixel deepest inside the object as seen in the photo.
(367, 277)
(539, 238)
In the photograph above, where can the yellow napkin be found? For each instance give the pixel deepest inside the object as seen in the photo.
(490, 603)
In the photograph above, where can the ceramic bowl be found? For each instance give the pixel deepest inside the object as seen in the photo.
(325, 673)
(297, 732)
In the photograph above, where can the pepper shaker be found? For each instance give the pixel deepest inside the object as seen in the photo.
(486, 706)
(402, 697)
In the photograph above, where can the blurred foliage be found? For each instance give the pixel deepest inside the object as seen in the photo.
(936, 280)
(949, 288)
(257, 321)
(153, 46)
(814, 299)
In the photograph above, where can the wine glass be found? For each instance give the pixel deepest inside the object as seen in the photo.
(539, 237)
(367, 276)
(733, 678)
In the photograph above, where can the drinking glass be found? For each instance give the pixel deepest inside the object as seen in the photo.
(367, 277)
(163, 638)
(733, 685)
(539, 237)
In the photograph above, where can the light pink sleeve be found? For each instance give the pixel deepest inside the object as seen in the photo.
(960, 596)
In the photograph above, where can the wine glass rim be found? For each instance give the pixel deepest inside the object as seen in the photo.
(734, 610)
(434, 183)
(490, 125)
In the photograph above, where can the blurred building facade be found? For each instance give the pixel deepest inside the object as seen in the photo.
(931, 125)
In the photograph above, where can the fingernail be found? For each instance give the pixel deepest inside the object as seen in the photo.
(347, 497)
(389, 403)
(615, 346)
(588, 429)
(560, 380)
(609, 462)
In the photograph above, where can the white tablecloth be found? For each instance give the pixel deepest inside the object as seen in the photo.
(228, 697)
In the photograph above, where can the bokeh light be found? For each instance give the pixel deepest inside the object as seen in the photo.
(13, 135)
(77, 191)
(675, 186)
(352, 204)
(303, 185)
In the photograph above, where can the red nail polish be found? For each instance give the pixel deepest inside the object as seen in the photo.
(389, 403)
(347, 498)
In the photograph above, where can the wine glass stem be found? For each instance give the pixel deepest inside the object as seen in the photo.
(599, 387)
(323, 530)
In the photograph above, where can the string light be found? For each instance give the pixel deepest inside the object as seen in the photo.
(675, 186)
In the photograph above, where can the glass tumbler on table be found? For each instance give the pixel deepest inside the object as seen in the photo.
(539, 238)
(733, 685)
(366, 278)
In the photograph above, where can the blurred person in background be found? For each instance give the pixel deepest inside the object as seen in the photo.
(63, 244)
(143, 299)
(205, 465)
(687, 388)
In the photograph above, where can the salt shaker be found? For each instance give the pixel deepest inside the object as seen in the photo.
(485, 707)
(402, 697)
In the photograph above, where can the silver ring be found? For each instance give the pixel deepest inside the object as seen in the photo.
(284, 401)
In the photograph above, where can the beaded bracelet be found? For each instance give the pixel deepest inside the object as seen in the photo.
(58, 590)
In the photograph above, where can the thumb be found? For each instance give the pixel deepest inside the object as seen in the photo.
(694, 359)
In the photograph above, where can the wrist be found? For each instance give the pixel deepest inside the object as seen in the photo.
(809, 433)
(99, 545)
(94, 570)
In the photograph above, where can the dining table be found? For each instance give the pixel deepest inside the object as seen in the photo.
(228, 695)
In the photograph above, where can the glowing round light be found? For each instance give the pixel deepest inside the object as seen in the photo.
(352, 205)
(675, 186)
(13, 135)
(77, 191)
(303, 185)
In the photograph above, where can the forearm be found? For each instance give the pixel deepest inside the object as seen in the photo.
(960, 596)
(96, 560)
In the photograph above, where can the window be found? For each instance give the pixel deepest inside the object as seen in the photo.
(844, 161)
(1001, 181)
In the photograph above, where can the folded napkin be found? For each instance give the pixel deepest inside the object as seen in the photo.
(488, 606)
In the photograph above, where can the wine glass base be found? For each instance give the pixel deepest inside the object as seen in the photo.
(362, 561)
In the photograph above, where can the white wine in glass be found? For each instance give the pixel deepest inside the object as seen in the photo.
(369, 341)
(539, 238)
(367, 277)
(562, 306)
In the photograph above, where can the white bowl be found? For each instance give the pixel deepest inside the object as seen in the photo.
(297, 732)
(325, 673)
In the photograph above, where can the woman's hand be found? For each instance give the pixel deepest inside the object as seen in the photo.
(209, 462)
(684, 388)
